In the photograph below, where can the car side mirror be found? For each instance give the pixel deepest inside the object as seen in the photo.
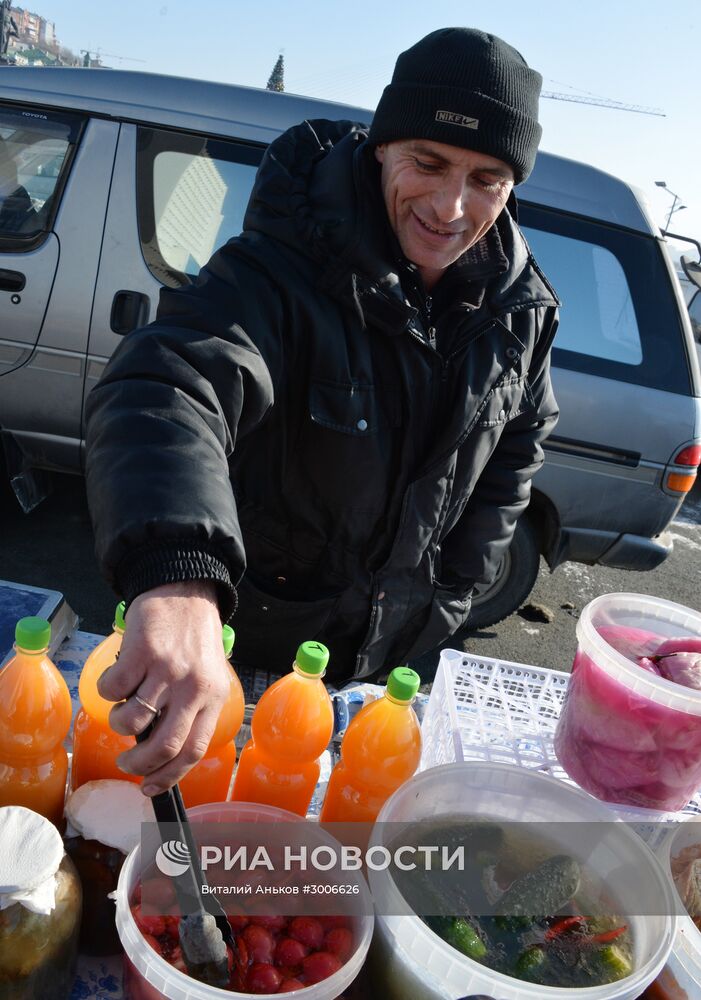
(692, 269)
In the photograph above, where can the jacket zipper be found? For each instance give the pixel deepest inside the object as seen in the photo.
(430, 328)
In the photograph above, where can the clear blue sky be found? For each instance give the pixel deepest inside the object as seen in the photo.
(643, 53)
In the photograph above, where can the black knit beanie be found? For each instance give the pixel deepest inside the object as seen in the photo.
(465, 88)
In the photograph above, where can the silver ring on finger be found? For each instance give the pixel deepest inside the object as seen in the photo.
(145, 704)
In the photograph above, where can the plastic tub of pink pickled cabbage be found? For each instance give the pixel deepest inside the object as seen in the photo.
(630, 728)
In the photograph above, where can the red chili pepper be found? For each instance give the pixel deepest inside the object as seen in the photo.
(560, 926)
(607, 936)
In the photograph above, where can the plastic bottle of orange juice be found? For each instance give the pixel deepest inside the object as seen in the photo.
(380, 751)
(96, 746)
(35, 716)
(210, 779)
(290, 729)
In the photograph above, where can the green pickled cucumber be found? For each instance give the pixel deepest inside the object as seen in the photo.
(529, 960)
(616, 961)
(466, 939)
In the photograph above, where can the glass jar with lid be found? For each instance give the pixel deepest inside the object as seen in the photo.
(40, 909)
(104, 824)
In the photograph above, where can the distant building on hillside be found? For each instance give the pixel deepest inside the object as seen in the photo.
(34, 30)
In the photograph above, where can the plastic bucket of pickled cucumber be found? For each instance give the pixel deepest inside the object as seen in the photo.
(680, 855)
(306, 957)
(532, 844)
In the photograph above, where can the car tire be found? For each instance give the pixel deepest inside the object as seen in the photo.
(513, 583)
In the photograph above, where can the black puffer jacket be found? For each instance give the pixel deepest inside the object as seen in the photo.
(287, 412)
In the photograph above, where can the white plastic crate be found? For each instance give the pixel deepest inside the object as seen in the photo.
(486, 709)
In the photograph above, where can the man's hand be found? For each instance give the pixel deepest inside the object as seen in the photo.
(172, 657)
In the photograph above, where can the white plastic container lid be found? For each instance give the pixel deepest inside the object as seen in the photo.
(639, 611)
(32, 851)
(110, 811)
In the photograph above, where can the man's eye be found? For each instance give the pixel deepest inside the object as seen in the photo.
(489, 183)
(428, 168)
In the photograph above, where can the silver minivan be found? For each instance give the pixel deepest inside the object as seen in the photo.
(113, 184)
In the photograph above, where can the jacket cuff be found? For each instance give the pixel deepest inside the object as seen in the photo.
(175, 561)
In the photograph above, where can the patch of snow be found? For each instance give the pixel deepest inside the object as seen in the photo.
(684, 540)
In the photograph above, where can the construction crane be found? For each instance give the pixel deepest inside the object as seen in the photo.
(602, 102)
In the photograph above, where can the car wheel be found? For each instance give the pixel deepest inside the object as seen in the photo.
(513, 583)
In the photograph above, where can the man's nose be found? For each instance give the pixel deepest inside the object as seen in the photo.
(449, 201)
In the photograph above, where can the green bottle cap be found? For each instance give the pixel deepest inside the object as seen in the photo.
(33, 633)
(312, 658)
(403, 684)
(119, 621)
(228, 636)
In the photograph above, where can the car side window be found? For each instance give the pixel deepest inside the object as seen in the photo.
(36, 149)
(620, 316)
(192, 193)
(598, 317)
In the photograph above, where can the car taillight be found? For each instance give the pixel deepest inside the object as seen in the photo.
(682, 482)
(689, 456)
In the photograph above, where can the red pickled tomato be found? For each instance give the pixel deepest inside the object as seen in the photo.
(290, 952)
(160, 896)
(260, 943)
(136, 894)
(339, 942)
(273, 924)
(153, 943)
(263, 978)
(177, 961)
(173, 927)
(149, 925)
(290, 985)
(308, 930)
(237, 922)
(320, 965)
(329, 923)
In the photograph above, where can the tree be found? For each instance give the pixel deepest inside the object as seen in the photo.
(277, 81)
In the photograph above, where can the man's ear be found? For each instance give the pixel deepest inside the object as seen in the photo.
(380, 152)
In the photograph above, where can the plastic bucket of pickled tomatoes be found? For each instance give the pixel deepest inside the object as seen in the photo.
(313, 958)
(630, 729)
(680, 856)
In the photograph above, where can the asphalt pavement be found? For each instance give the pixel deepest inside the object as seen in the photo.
(53, 547)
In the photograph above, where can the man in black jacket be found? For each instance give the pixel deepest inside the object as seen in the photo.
(335, 427)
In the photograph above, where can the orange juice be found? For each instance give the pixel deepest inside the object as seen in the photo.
(102, 657)
(290, 729)
(210, 779)
(95, 745)
(35, 716)
(380, 751)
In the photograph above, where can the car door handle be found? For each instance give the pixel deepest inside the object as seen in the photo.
(11, 281)
(129, 311)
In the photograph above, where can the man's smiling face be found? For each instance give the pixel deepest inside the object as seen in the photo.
(440, 199)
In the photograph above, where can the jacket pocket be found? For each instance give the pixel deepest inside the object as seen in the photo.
(448, 612)
(358, 410)
(505, 401)
(269, 629)
(347, 448)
